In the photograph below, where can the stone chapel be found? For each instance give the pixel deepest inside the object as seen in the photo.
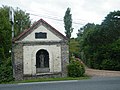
(39, 52)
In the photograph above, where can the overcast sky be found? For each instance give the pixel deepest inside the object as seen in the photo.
(53, 11)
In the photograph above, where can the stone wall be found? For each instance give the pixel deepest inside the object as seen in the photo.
(43, 75)
(64, 58)
(18, 60)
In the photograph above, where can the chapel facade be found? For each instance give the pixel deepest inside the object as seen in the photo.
(40, 51)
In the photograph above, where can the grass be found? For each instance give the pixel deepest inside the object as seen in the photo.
(48, 79)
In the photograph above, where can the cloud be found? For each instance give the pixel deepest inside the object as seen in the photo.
(83, 11)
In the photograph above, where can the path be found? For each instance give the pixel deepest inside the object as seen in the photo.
(102, 73)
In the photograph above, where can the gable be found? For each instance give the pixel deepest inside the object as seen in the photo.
(41, 31)
(36, 35)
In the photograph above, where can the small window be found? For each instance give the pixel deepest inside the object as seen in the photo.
(41, 35)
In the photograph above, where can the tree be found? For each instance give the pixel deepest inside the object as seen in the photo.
(22, 21)
(5, 45)
(111, 26)
(86, 47)
(5, 41)
(100, 44)
(5, 29)
(68, 23)
(5, 33)
(80, 33)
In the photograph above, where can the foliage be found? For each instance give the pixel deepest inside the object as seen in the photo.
(5, 33)
(74, 48)
(68, 23)
(112, 60)
(5, 40)
(111, 26)
(6, 74)
(22, 21)
(100, 44)
(75, 68)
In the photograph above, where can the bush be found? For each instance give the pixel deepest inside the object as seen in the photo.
(6, 74)
(75, 69)
(110, 65)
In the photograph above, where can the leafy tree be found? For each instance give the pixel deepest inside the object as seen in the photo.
(80, 33)
(22, 21)
(5, 45)
(68, 23)
(5, 33)
(111, 26)
(99, 44)
(5, 41)
(86, 46)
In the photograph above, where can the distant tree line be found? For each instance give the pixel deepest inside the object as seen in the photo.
(100, 44)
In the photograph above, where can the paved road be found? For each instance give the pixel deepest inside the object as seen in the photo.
(96, 83)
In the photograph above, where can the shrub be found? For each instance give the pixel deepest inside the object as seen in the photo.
(6, 74)
(110, 65)
(75, 68)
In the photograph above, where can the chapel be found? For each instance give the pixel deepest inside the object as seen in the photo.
(39, 52)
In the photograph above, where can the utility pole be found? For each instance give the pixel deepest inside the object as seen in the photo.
(11, 19)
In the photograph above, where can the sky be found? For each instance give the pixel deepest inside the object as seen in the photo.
(53, 11)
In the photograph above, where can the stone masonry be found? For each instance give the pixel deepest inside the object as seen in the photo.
(18, 61)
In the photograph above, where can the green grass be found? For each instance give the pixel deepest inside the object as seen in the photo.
(48, 79)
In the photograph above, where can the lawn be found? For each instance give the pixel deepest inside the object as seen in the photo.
(48, 79)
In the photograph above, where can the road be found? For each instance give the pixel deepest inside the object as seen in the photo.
(96, 83)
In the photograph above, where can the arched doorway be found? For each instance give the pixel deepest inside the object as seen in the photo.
(42, 61)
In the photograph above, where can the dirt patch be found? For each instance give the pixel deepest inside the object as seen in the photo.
(104, 73)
